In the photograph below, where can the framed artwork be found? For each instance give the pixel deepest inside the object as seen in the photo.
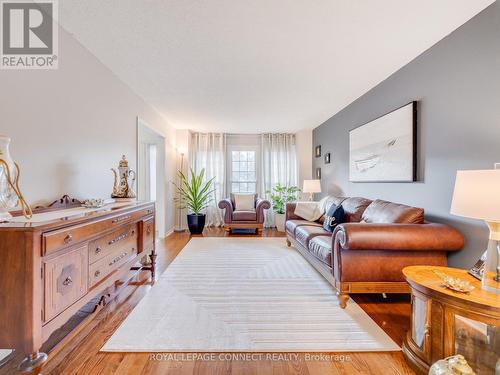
(385, 149)
(478, 269)
(327, 158)
(318, 173)
(317, 151)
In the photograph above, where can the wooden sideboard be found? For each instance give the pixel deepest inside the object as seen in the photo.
(445, 322)
(52, 267)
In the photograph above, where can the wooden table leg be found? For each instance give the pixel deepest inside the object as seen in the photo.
(152, 257)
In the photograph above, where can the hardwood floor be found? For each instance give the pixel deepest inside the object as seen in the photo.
(80, 354)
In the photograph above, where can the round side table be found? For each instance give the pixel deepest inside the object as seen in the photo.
(445, 322)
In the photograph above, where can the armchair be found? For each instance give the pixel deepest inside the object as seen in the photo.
(244, 219)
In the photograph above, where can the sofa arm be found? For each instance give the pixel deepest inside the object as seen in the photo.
(290, 212)
(260, 206)
(431, 236)
(228, 206)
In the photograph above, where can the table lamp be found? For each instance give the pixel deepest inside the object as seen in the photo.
(477, 196)
(311, 187)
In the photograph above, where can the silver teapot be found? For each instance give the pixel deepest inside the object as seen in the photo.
(124, 180)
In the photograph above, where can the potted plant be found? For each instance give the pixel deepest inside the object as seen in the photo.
(280, 196)
(195, 195)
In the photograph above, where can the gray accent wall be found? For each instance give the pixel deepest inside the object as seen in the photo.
(457, 86)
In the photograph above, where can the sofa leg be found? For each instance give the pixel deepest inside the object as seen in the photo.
(288, 243)
(343, 298)
(259, 231)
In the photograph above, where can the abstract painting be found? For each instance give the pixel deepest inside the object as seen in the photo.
(384, 150)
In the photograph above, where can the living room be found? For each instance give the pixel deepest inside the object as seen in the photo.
(250, 187)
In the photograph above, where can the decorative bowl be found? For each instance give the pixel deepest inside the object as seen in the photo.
(454, 283)
(94, 203)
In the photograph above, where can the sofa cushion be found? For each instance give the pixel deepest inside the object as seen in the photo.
(321, 247)
(291, 225)
(233, 200)
(244, 202)
(327, 202)
(304, 233)
(383, 212)
(354, 208)
(333, 217)
(244, 216)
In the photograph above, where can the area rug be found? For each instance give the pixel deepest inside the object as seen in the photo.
(4, 353)
(245, 295)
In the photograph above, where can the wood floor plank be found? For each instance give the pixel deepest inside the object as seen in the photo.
(81, 354)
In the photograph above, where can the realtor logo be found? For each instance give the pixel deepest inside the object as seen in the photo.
(29, 34)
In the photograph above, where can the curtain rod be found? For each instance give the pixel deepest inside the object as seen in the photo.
(244, 134)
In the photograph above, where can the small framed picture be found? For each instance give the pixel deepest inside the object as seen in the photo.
(317, 151)
(478, 269)
(318, 173)
(327, 158)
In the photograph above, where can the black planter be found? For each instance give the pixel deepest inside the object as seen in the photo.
(196, 223)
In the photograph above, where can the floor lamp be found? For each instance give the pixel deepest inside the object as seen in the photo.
(179, 227)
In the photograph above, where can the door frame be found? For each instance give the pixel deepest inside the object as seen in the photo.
(151, 136)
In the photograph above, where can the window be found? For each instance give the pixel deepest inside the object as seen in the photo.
(243, 171)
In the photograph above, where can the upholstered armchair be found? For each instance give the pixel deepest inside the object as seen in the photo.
(235, 218)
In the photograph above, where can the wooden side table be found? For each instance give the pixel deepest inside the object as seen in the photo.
(445, 322)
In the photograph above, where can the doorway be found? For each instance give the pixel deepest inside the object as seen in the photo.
(151, 171)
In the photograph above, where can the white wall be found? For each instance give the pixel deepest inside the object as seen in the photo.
(70, 126)
(304, 143)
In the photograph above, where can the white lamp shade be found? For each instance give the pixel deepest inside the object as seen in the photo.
(477, 195)
(311, 186)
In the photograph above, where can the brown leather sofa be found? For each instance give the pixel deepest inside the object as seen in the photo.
(238, 219)
(368, 252)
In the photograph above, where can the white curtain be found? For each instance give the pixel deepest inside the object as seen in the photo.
(208, 150)
(278, 165)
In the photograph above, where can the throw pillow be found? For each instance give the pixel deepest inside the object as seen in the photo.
(244, 202)
(334, 217)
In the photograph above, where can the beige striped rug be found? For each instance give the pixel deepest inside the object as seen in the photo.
(244, 295)
(4, 353)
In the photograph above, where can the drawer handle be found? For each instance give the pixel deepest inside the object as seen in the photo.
(98, 250)
(119, 238)
(68, 281)
(118, 258)
(97, 273)
(68, 238)
(118, 219)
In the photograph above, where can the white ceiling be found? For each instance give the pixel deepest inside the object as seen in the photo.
(258, 65)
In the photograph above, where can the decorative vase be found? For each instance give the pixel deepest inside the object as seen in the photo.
(8, 197)
(124, 179)
(196, 223)
(451, 366)
(279, 221)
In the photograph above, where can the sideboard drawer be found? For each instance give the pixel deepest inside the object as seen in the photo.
(65, 279)
(105, 266)
(58, 239)
(125, 237)
(148, 232)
